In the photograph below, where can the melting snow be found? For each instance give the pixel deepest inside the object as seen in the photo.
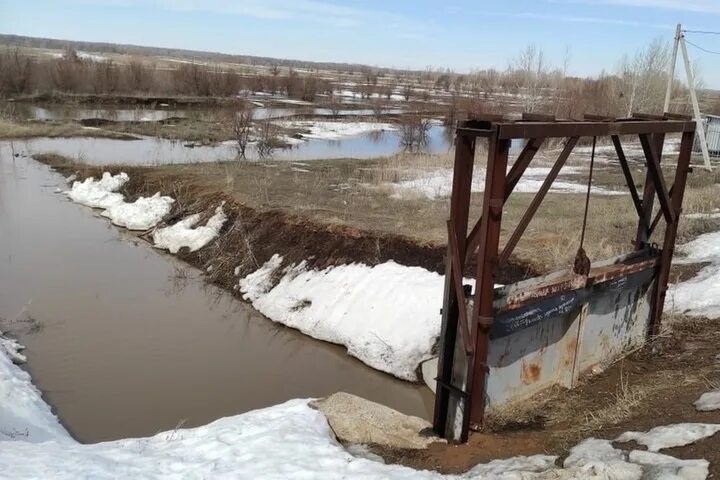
(291, 440)
(664, 467)
(182, 234)
(438, 184)
(708, 401)
(24, 416)
(335, 130)
(671, 435)
(599, 459)
(142, 214)
(388, 315)
(700, 295)
(99, 193)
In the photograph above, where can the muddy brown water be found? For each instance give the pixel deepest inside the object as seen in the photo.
(125, 341)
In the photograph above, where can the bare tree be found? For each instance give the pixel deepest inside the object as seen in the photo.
(530, 73)
(407, 92)
(103, 76)
(15, 72)
(644, 78)
(267, 139)
(414, 132)
(240, 119)
(377, 106)
(335, 105)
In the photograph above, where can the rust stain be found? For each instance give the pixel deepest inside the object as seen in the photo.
(570, 352)
(530, 372)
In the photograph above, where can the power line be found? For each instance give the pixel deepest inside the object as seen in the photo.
(701, 48)
(702, 32)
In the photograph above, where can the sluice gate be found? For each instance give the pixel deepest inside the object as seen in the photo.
(500, 345)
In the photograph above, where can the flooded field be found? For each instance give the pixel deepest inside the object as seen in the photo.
(149, 114)
(125, 341)
(155, 151)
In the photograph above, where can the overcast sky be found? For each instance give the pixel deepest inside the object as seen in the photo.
(460, 34)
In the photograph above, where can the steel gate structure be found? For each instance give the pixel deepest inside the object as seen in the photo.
(503, 344)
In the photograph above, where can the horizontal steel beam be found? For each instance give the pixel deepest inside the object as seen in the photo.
(590, 129)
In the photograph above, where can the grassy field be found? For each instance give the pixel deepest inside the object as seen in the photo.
(362, 194)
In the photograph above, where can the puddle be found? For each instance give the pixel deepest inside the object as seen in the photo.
(132, 342)
(154, 151)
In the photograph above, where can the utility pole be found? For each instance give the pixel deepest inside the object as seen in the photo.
(671, 73)
(680, 42)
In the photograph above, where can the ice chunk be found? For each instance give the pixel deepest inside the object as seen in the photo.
(182, 234)
(671, 435)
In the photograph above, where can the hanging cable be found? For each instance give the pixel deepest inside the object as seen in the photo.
(701, 48)
(701, 32)
(582, 262)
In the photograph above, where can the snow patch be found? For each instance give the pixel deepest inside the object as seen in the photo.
(98, 193)
(438, 184)
(388, 315)
(515, 467)
(708, 401)
(599, 459)
(142, 214)
(671, 435)
(335, 130)
(182, 234)
(664, 467)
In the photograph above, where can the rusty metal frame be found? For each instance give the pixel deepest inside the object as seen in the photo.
(462, 362)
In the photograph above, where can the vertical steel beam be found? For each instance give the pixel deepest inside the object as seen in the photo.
(643, 232)
(513, 177)
(459, 210)
(683, 168)
(487, 262)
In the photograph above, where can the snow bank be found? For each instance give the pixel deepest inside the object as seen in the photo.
(700, 295)
(705, 248)
(142, 214)
(291, 440)
(662, 467)
(708, 401)
(597, 458)
(438, 184)
(24, 416)
(98, 193)
(671, 435)
(182, 234)
(335, 130)
(388, 315)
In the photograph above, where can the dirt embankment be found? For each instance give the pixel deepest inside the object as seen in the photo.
(251, 236)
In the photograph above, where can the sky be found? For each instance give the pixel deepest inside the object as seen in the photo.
(463, 35)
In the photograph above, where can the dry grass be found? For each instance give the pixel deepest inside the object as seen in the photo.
(21, 130)
(359, 194)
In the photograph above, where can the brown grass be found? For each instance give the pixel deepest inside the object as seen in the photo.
(358, 194)
(23, 130)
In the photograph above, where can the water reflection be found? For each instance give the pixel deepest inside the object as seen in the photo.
(155, 151)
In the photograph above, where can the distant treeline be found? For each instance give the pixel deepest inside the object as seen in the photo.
(192, 55)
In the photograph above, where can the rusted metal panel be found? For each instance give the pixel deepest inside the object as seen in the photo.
(617, 319)
(531, 359)
(555, 339)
